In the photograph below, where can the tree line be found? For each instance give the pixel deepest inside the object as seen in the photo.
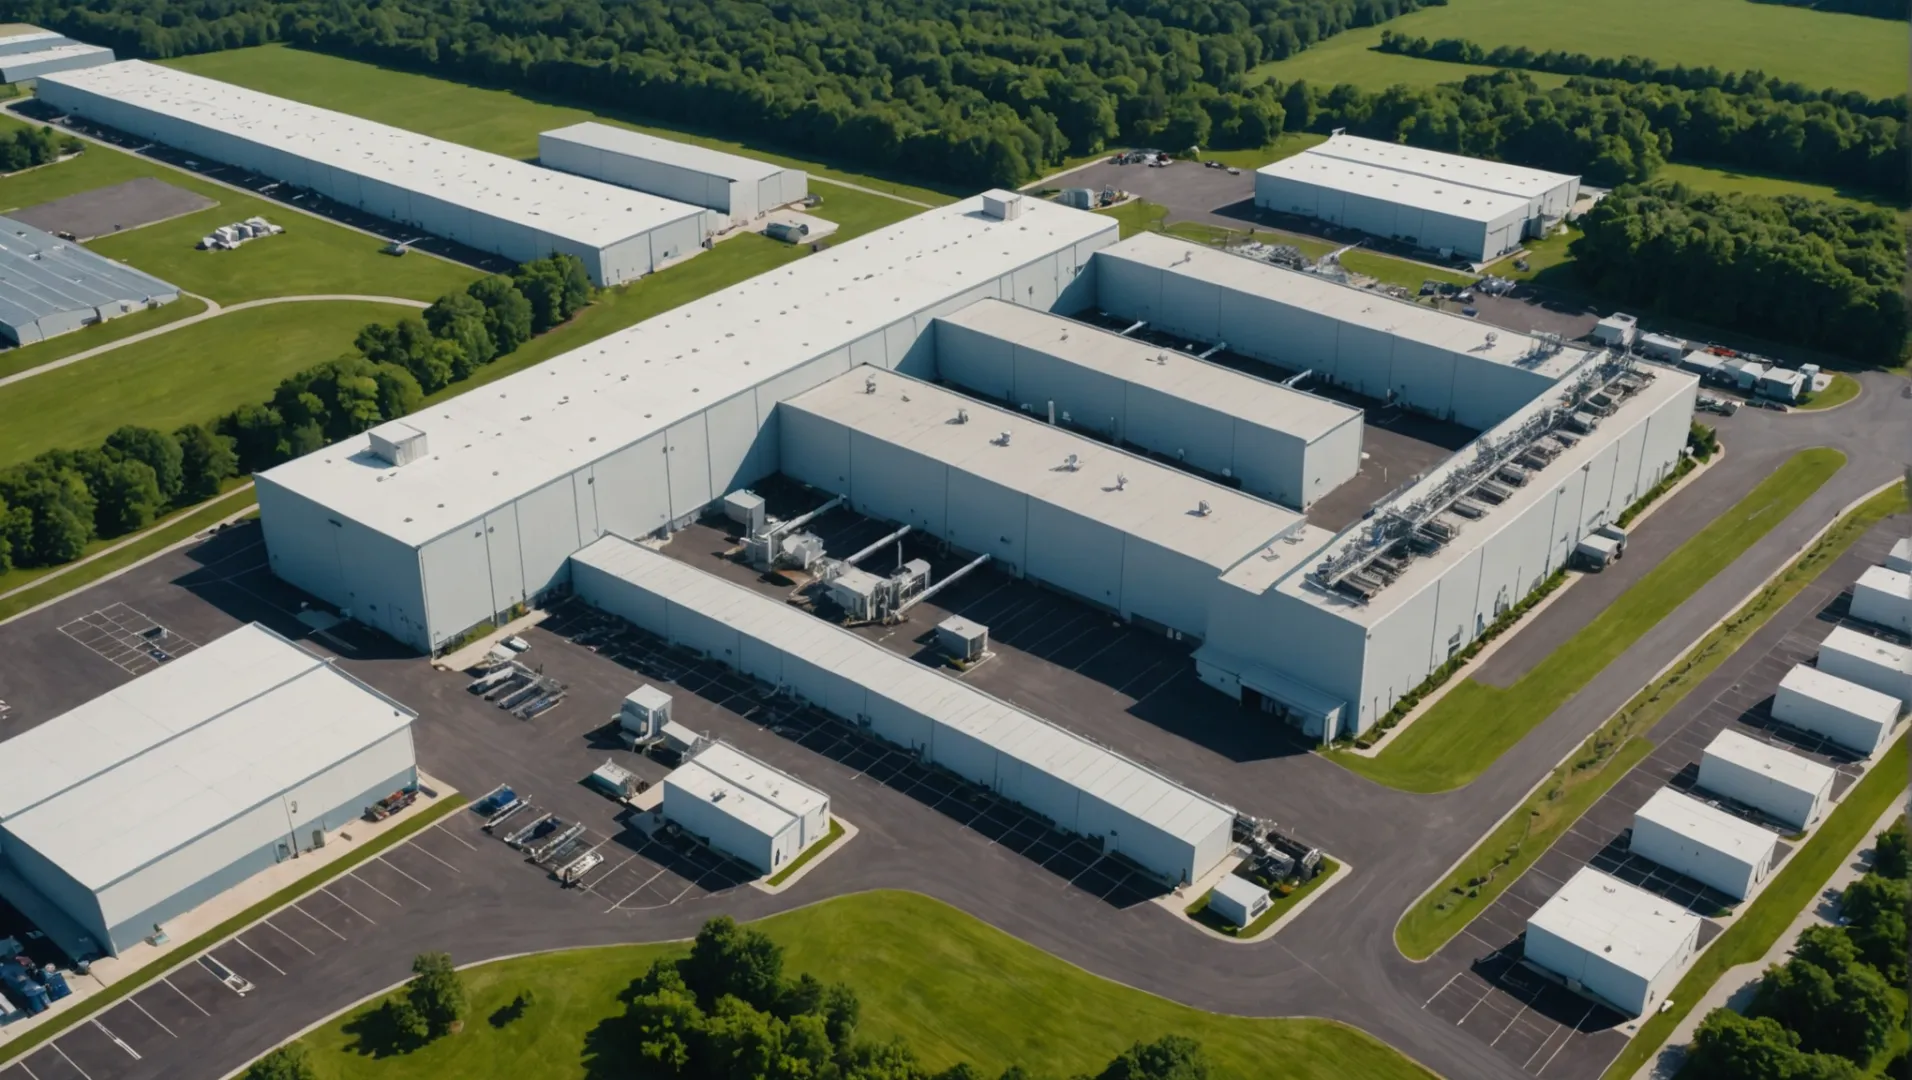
(1878, 9)
(1637, 69)
(29, 146)
(1796, 270)
(52, 506)
(1830, 1010)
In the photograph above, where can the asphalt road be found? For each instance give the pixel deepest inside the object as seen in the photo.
(1337, 960)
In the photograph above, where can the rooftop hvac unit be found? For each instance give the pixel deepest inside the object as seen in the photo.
(1493, 493)
(645, 712)
(1511, 474)
(1002, 205)
(966, 641)
(1468, 508)
(1583, 422)
(746, 508)
(912, 576)
(397, 443)
(801, 550)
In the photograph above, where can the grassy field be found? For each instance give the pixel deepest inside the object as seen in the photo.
(1850, 52)
(1341, 59)
(1798, 883)
(312, 256)
(955, 987)
(1466, 731)
(1843, 389)
(503, 122)
(1505, 853)
(14, 361)
(192, 374)
(1706, 178)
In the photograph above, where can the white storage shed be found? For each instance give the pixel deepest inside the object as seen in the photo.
(738, 188)
(1793, 789)
(1238, 900)
(1083, 788)
(152, 799)
(1883, 597)
(1285, 445)
(1899, 559)
(1871, 662)
(744, 808)
(1846, 713)
(1660, 347)
(1703, 842)
(1617, 943)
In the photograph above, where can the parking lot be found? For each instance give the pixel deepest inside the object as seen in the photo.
(107, 210)
(128, 639)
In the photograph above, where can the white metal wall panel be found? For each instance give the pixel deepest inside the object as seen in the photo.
(308, 805)
(1167, 587)
(1074, 553)
(1457, 615)
(1190, 433)
(965, 756)
(1364, 360)
(457, 573)
(547, 521)
(633, 489)
(1687, 855)
(983, 363)
(688, 455)
(814, 450)
(896, 484)
(699, 632)
(1600, 976)
(731, 430)
(584, 497)
(1598, 508)
(1569, 490)
(1797, 807)
(1190, 308)
(988, 520)
(1400, 654)
(506, 563)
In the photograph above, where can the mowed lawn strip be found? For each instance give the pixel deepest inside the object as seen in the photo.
(14, 361)
(955, 987)
(1800, 880)
(1529, 831)
(1842, 389)
(1466, 731)
(191, 375)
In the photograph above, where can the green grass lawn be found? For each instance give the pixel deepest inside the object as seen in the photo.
(1843, 389)
(1402, 272)
(829, 840)
(1278, 905)
(501, 121)
(192, 374)
(1466, 731)
(1708, 178)
(1350, 57)
(14, 361)
(955, 987)
(1798, 884)
(1851, 52)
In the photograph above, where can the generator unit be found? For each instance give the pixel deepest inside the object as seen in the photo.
(645, 712)
(965, 641)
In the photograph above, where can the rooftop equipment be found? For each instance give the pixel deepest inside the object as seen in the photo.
(965, 641)
(645, 712)
(615, 780)
(746, 508)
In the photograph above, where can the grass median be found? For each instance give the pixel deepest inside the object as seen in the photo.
(385, 841)
(1506, 853)
(1466, 731)
(1842, 389)
(829, 841)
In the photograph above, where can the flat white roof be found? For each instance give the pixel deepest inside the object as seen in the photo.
(57, 52)
(1169, 371)
(511, 437)
(1364, 308)
(1495, 176)
(1784, 766)
(1624, 925)
(1870, 649)
(1842, 695)
(31, 35)
(637, 144)
(1071, 759)
(1707, 826)
(1371, 181)
(1887, 580)
(1156, 503)
(132, 775)
(585, 211)
(1901, 554)
(766, 799)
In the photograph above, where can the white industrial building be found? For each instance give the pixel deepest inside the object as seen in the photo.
(1083, 788)
(1617, 943)
(154, 798)
(1123, 532)
(1793, 789)
(50, 286)
(27, 41)
(1406, 354)
(1899, 559)
(484, 201)
(1443, 202)
(1282, 444)
(62, 55)
(1703, 842)
(744, 808)
(1883, 597)
(1846, 713)
(641, 429)
(738, 189)
(1870, 662)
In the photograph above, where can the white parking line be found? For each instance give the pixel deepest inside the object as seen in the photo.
(182, 994)
(289, 937)
(438, 860)
(1485, 994)
(352, 909)
(402, 873)
(606, 876)
(1522, 1011)
(354, 876)
(1442, 990)
(322, 926)
(634, 892)
(255, 952)
(69, 1061)
(440, 826)
(134, 1002)
(117, 1041)
(1569, 1038)
(24, 1069)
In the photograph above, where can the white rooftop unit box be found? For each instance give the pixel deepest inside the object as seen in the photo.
(1238, 900)
(1703, 842)
(397, 443)
(745, 808)
(1612, 941)
(1900, 558)
(1868, 661)
(1794, 790)
(1883, 597)
(1661, 347)
(645, 712)
(965, 640)
(1617, 330)
(1002, 205)
(1846, 713)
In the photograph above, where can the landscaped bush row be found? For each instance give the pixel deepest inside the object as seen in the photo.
(53, 506)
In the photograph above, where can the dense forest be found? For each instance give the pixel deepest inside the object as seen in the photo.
(1878, 9)
(1791, 269)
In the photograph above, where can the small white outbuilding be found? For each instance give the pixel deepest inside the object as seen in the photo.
(744, 808)
(1883, 597)
(1703, 842)
(1846, 713)
(1900, 558)
(1793, 789)
(1872, 663)
(1238, 900)
(1611, 941)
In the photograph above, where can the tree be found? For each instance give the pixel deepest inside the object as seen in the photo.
(258, 434)
(507, 312)
(733, 960)
(58, 512)
(1728, 1046)
(541, 284)
(459, 319)
(578, 289)
(128, 497)
(1863, 1022)
(407, 1024)
(1171, 1057)
(158, 450)
(1875, 912)
(665, 1018)
(288, 1062)
(1889, 851)
(436, 992)
(206, 460)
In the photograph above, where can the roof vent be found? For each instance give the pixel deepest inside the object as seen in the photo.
(1071, 463)
(962, 416)
(869, 384)
(1002, 439)
(1121, 482)
(1202, 509)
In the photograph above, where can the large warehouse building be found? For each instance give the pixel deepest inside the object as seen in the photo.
(50, 286)
(484, 201)
(62, 55)
(1441, 202)
(743, 807)
(146, 802)
(1285, 445)
(1613, 941)
(1086, 789)
(640, 429)
(738, 189)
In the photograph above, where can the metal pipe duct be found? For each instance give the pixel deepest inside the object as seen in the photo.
(960, 573)
(871, 550)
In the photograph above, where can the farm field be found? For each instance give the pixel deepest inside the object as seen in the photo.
(954, 987)
(192, 374)
(1850, 52)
